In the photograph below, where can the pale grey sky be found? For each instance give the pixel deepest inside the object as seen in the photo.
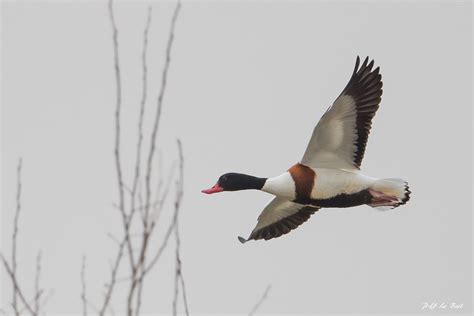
(248, 82)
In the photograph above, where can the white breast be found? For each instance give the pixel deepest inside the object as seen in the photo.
(282, 186)
(331, 182)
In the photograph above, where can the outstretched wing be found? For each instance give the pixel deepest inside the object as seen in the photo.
(279, 217)
(340, 138)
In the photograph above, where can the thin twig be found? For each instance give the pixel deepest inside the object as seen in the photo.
(36, 297)
(160, 251)
(262, 299)
(162, 196)
(16, 286)
(118, 108)
(15, 235)
(113, 278)
(83, 282)
(178, 273)
(113, 238)
(183, 287)
(142, 110)
(37, 282)
(135, 279)
(46, 298)
(161, 95)
(176, 286)
(118, 166)
(178, 239)
(140, 291)
(149, 226)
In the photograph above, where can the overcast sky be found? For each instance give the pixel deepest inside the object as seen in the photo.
(248, 82)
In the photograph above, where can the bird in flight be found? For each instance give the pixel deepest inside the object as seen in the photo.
(329, 173)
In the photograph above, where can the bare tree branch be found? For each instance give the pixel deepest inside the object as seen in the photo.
(38, 291)
(161, 198)
(164, 243)
(161, 95)
(36, 297)
(135, 279)
(149, 226)
(15, 235)
(183, 288)
(260, 302)
(83, 283)
(113, 278)
(32, 307)
(140, 290)
(176, 286)
(47, 297)
(17, 287)
(179, 197)
(137, 266)
(113, 238)
(142, 111)
(125, 219)
(118, 108)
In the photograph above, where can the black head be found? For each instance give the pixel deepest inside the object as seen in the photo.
(236, 182)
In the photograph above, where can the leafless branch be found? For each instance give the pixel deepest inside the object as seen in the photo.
(15, 235)
(183, 288)
(118, 108)
(161, 198)
(38, 291)
(178, 273)
(33, 307)
(113, 278)
(260, 302)
(161, 95)
(176, 287)
(137, 280)
(142, 111)
(118, 165)
(83, 283)
(113, 238)
(138, 265)
(46, 298)
(36, 297)
(140, 291)
(17, 287)
(164, 243)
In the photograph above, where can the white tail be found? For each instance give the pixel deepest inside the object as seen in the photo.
(389, 193)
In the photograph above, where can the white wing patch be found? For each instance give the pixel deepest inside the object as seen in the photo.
(332, 142)
(339, 139)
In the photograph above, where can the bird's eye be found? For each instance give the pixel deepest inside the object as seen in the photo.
(224, 179)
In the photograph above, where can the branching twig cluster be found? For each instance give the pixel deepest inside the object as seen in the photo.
(19, 303)
(137, 211)
(130, 203)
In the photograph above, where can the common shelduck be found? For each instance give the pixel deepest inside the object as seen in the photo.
(329, 172)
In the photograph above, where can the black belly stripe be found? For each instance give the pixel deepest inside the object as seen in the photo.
(340, 200)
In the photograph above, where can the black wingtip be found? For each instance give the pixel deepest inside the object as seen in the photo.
(371, 64)
(356, 67)
(242, 239)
